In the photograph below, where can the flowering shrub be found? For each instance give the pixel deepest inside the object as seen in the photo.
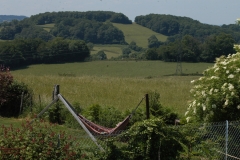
(11, 93)
(216, 94)
(37, 141)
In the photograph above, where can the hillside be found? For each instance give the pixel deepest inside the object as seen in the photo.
(132, 32)
(138, 33)
(9, 18)
(177, 26)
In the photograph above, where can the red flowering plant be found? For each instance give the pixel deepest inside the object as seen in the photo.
(37, 141)
(6, 80)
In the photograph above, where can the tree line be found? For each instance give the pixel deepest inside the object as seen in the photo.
(22, 52)
(92, 26)
(190, 49)
(176, 27)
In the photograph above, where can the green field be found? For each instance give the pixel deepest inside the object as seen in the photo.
(112, 51)
(47, 27)
(119, 84)
(138, 33)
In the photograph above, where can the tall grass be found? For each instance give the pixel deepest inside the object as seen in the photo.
(122, 93)
(141, 69)
(119, 84)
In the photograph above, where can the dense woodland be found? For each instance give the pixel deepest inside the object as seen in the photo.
(22, 52)
(176, 27)
(188, 39)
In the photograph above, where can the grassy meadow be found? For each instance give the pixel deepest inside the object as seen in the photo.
(112, 51)
(138, 33)
(47, 27)
(120, 84)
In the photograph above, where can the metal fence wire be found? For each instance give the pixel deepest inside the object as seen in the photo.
(219, 141)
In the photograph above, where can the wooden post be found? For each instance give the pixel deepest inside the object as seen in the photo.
(20, 109)
(55, 92)
(147, 107)
(40, 101)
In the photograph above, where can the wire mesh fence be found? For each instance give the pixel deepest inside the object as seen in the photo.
(213, 140)
(219, 141)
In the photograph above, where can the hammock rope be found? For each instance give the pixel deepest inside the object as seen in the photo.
(101, 130)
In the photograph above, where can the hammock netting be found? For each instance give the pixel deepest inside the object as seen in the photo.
(101, 130)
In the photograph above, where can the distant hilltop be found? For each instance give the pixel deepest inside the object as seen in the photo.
(9, 18)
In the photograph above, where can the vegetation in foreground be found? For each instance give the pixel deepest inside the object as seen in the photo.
(141, 133)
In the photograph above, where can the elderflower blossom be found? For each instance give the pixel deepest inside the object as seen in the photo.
(218, 88)
(226, 102)
(216, 69)
(214, 106)
(237, 70)
(238, 107)
(204, 107)
(230, 87)
(214, 77)
(231, 76)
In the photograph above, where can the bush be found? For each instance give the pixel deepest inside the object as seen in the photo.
(157, 110)
(56, 113)
(216, 94)
(12, 94)
(105, 116)
(152, 139)
(37, 141)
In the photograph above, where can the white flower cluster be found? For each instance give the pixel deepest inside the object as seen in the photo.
(217, 89)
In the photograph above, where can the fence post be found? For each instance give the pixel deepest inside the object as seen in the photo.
(226, 140)
(20, 108)
(55, 92)
(147, 106)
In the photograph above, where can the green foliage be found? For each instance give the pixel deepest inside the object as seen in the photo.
(105, 116)
(90, 46)
(165, 24)
(153, 42)
(33, 32)
(157, 110)
(70, 121)
(37, 141)
(12, 95)
(192, 50)
(152, 54)
(56, 114)
(21, 52)
(120, 18)
(151, 139)
(216, 46)
(216, 94)
(176, 26)
(101, 55)
(126, 51)
(133, 46)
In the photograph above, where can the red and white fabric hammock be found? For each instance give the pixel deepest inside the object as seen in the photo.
(100, 130)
